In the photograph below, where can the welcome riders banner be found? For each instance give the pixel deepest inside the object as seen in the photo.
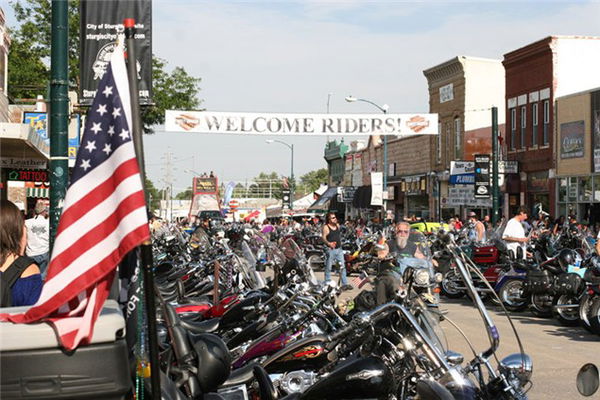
(301, 124)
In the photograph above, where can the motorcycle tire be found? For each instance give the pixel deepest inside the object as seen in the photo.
(540, 305)
(584, 311)
(594, 316)
(566, 317)
(511, 300)
(447, 288)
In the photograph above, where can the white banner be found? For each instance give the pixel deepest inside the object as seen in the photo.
(376, 188)
(301, 124)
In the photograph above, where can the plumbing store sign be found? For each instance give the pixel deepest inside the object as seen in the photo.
(301, 124)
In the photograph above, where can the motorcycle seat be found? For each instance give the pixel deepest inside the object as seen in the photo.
(207, 326)
(240, 376)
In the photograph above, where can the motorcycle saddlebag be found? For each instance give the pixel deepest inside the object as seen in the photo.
(569, 284)
(485, 255)
(538, 282)
(34, 367)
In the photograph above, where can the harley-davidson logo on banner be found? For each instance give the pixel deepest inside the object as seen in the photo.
(101, 22)
(482, 176)
(301, 124)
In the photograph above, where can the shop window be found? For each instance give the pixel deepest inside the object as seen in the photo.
(562, 210)
(523, 126)
(585, 188)
(597, 188)
(534, 131)
(562, 190)
(546, 130)
(572, 191)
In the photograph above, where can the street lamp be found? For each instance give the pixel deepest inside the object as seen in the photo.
(384, 109)
(291, 147)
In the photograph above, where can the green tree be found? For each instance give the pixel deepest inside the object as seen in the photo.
(185, 195)
(311, 181)
(29, 60)
(155, 195)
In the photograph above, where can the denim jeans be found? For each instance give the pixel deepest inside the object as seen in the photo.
(42, 261)
(335, 255)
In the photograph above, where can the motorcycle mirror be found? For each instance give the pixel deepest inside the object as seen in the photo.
(519, 253)
(588, 380)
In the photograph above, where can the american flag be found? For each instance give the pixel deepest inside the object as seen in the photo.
(103, 218)
(361, 280)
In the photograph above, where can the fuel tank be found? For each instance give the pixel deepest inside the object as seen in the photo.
(365, 378)
(308, 353)
(237, 312)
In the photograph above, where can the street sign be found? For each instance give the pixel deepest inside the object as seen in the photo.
(482, 176)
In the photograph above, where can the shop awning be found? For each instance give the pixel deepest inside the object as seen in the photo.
(38, 192)
(323, 202)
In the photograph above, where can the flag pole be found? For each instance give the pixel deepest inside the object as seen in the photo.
(146, 247)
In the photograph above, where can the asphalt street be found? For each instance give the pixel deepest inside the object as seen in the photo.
(557, 351)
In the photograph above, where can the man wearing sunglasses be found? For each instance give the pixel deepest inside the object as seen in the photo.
(401, 246)
(333, 239)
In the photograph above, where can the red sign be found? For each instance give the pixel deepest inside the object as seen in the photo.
(233, 205)
(28, 175)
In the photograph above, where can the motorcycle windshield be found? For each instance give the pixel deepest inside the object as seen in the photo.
(200, 239)
(292, 250)
(430, 323)
(411, 251)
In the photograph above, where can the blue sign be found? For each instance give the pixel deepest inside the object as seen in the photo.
(463, 179)
(38, 121)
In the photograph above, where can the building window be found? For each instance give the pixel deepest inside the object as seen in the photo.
(448, 134)
(439, 143)
(457, 140)
(546, 132)
(513, 128)
(523, 126)
(534, 131)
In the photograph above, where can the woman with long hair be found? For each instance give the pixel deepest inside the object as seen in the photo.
(26, 289)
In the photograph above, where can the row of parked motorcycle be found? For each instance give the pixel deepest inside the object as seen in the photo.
(242, 316)
(559, 277)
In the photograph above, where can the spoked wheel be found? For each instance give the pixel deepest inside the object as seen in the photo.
(594, 316)
(512, 296)
(585, 306)
(566, 316)
(541, 305)
(449, 285)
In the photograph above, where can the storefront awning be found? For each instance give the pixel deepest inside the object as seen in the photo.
(323, 202)
(38, 192)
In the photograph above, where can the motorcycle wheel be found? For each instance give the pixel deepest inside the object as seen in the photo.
(511, 295)
(594, 316)
(585, 306)
(566, 316)
(541, 305)
(316, 262)
(448, 285)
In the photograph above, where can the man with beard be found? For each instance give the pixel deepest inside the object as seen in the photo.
(388, 280)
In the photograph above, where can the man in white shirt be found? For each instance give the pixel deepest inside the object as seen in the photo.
(38, 234)
(514, 233)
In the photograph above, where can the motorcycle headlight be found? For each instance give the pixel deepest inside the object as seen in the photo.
(421, 277)
(518, 366)
(438, 277)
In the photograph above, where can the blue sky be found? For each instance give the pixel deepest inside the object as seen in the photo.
(283, 56)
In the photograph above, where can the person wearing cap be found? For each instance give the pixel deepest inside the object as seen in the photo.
(477, 231)
(38, 235)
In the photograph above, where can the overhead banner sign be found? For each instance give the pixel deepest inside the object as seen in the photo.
(101, 22)
(301, 124)
(482, 176)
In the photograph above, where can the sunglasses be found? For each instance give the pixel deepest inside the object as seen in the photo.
(402, 231)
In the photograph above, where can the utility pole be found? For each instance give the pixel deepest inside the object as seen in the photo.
(495, 189)
(59, 112)
(168, 179)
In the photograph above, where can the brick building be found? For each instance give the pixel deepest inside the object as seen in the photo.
(462, 91)
(536, 75)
